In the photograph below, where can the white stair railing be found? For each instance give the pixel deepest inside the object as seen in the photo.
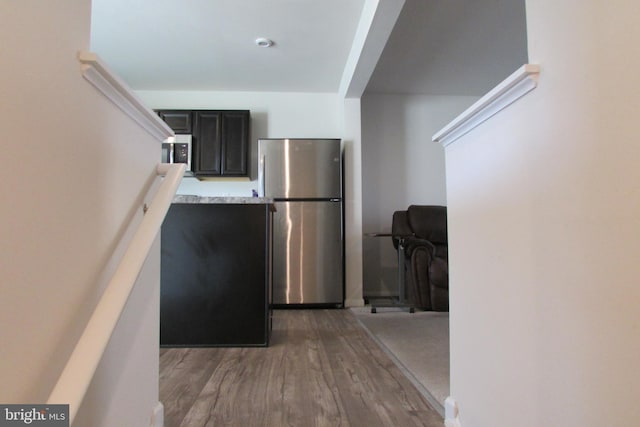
(74, 381)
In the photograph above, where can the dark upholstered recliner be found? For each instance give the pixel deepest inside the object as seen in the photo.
(423, 230)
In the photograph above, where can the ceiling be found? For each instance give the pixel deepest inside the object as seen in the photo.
(210, 44)
(453, 47)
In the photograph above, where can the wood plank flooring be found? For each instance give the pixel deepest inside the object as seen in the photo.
(322, 369)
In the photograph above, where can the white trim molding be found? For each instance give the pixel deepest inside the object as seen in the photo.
(157, 416)
(451, 413)
(354, 302)
(117, 91)
(522, 81)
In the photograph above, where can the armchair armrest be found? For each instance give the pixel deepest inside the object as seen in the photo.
(396, 238)
(411, 243)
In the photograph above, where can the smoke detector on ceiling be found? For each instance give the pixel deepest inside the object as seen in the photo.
(263, 42)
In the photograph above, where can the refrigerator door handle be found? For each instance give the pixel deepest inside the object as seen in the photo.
(261, 173)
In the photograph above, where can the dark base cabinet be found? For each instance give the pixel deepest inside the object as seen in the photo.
(216, 275)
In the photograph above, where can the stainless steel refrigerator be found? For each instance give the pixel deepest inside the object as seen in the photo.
(304, 177)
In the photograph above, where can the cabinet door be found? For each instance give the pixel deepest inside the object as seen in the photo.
(235, 143)
(207, 145)
(214, 275)
(178, 120)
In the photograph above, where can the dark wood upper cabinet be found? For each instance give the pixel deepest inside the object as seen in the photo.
(220, 139)
(207, 145)
(178, 120)
(235, 142)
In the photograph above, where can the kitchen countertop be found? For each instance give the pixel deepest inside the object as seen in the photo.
(220, 200)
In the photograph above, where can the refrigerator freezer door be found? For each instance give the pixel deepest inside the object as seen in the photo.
(308, 253)
(300, 168)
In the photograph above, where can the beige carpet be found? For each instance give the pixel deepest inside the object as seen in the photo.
(418, 343)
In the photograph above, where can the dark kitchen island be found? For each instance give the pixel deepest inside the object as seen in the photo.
(215, 278)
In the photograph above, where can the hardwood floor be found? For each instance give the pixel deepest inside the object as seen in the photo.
(322, 369)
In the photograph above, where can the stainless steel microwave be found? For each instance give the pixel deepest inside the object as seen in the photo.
(177, 149)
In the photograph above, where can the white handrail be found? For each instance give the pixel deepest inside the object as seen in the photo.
(74, 381)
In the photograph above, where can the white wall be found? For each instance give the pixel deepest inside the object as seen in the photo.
(544, 228)
(124, 390)
(400, 167)
(74, 171)
(273, 115)
(353, 201)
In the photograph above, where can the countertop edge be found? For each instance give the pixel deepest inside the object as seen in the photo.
(221, 200)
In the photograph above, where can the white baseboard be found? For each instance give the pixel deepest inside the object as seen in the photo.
(355, 302)
(157, 416)
(451, 413)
